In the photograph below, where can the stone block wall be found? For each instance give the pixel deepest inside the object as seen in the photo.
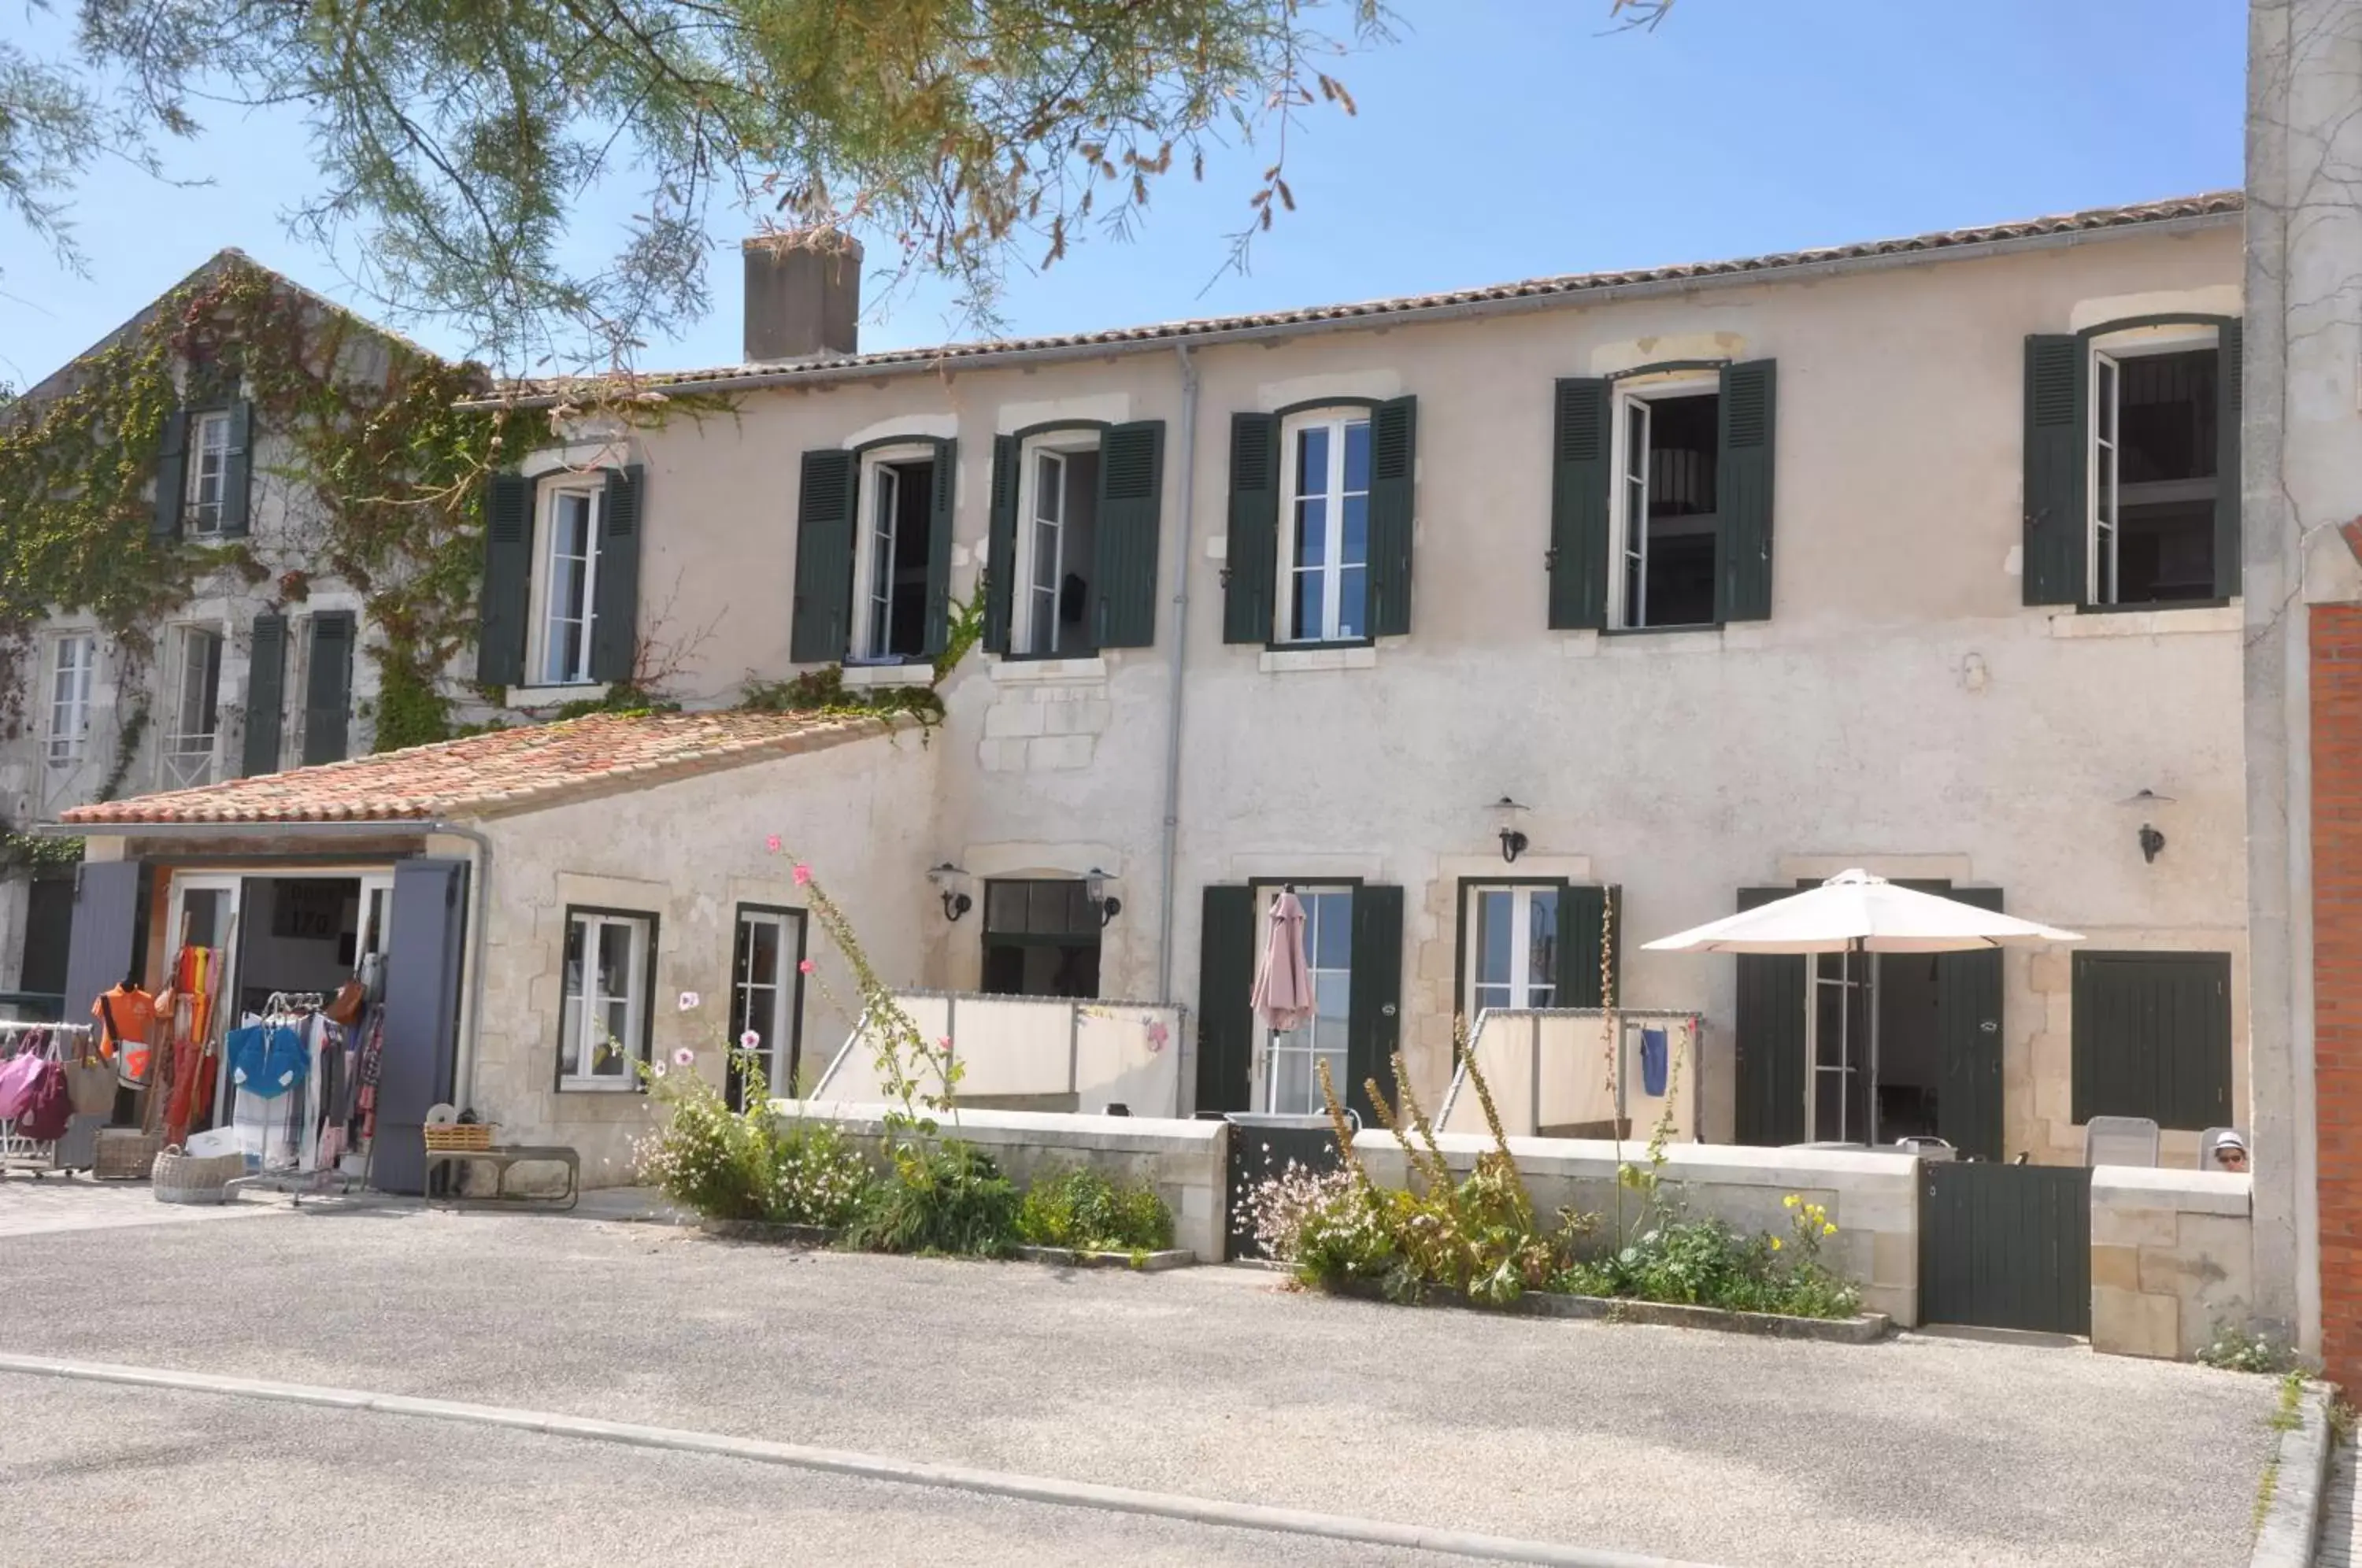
(2172, 1259)
(1185, 1161)
(1872, 1199)
(2336, 748)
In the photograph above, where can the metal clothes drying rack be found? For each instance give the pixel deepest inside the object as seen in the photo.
(289, 1008)
(35, 1157)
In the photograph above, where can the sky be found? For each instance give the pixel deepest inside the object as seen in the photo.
(1496, 139)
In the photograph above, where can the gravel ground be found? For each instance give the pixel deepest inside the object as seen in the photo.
(1710, 1447)
(102, 1476)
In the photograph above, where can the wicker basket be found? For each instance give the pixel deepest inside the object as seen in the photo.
(123, 1153)
(470, 1136)
(195, 1178)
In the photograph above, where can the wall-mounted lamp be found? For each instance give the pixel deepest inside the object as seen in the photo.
(2151, 841)
(1513, 843)
(955, 902)
(1095, 889)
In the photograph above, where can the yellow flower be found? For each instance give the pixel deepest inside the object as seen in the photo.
(1829, 1230)
(1792, 1200)
(1775, 1243)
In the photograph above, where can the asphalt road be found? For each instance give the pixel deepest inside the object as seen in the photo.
(1714, 1448)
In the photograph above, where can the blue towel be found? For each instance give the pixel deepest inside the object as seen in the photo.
(1653, 1063)
(265, 1062)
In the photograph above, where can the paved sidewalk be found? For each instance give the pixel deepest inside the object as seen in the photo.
(1708, 1447)
(52, 1203)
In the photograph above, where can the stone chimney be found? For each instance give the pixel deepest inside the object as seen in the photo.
(803, 295)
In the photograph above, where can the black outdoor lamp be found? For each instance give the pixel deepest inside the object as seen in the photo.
(1095, 889)
(2151, 841)
(1513, 843)
(956, 902)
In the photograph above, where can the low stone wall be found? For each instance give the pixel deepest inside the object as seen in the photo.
(2172, 1258)
(1183, 1160)
(1872, 1199)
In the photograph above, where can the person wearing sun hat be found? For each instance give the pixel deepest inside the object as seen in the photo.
(2229, 1154)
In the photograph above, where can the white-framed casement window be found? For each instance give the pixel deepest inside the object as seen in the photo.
(2155, 453)
(1663, 511)
(1512, 947)
(1324, 535)
(1058, 542)
(893, 543)
(74, 665)
(1291, 1081)
(566, 582)
(191, 742)
(603, 1020)
(765, 985)
(207, 484)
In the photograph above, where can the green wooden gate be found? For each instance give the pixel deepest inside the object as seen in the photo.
(2005, 1246)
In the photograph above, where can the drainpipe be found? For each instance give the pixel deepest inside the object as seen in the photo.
(1188, 458)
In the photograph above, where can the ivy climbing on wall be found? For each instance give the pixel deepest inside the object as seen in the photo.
(359, 432)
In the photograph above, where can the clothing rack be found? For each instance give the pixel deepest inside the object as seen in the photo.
(19, 1153)
(287, 1009)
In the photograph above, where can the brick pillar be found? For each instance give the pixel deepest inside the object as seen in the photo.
(2336, 678)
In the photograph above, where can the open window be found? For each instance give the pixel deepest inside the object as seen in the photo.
(191, 742)
(2155, 483)
(566, 580)
(893, 557)
(203, 472)
(1057, 548)
(1666, 503)
(1070, 565)
(1041, 938)
(873, 554)
(73, 664)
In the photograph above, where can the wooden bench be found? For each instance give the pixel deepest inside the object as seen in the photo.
(501, 1158)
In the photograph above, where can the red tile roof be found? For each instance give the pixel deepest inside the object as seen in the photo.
(2211, 208)
(495, 774)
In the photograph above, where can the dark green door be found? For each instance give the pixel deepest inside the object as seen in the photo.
(1770, 1038)
(2005, 1246)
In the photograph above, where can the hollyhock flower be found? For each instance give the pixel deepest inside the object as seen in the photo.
(804, 875)
(750, 1041)
(772, 844)
(806, 967)
(684, 1057)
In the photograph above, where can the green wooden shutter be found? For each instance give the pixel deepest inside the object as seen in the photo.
(1131, 488)
(171, 476)
(2057, 451)
(1582, 923)
(1373, 1028)
(238, 471)
(615, 612)
(1394, 468)
(1251, 555)
(1581, 478)
(2152, 1037)
(1750, 410)
(1226, 965)
(939, 549)
(266, 694)
(1770, 1039)
(2229, 401)
(507, 581)
(328, 689)
(1968, 1031)
(1000, 545)
(822, 626)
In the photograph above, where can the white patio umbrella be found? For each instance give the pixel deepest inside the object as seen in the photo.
(1852, 912)
(1855, 912)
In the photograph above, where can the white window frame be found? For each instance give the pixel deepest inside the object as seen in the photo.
(2103, 504)
(545, 581)
(780, 1028)
(186, 758)
(879, 481)
(1058, 447)
(1520, 985)
(208, 438)
(73, 675)
(575, 1005)
(1270, 1046)
(1628, 498)
(1332, 565)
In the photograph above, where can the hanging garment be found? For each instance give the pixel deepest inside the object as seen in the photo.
(191, 1069)
(266, 1060)
(20, 1072)
(48, 1112)
(1655, 1061)
(126, 1020)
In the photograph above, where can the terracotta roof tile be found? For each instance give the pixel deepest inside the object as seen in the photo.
(2220, 205)
(498, 772)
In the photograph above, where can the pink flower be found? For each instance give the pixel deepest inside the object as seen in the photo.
(804, 875)
(807, 967)
(943, 1041)
(750, 1041)
(684, 1057)
(657, 1069)
(772, 844)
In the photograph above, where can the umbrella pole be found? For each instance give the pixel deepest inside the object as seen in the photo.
(1869, 994)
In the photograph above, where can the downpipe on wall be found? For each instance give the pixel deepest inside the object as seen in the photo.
(1188, 456)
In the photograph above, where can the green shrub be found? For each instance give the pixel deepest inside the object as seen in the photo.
(1705, 1263)
(2241, 1350)
(703, 1155)
(943, 1197)
(817, 1178)
(1080, 1209)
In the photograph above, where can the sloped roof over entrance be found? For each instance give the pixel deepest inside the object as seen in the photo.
(497, 774)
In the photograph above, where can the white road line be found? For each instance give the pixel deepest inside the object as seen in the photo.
(840, 1462)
